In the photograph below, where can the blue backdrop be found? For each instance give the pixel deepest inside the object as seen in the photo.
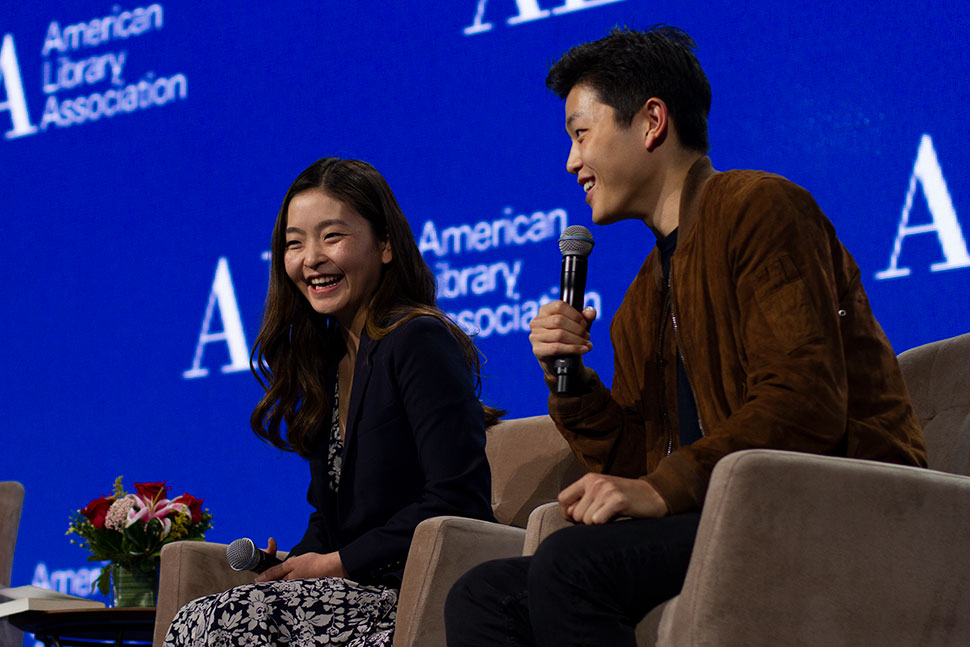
(147, 149)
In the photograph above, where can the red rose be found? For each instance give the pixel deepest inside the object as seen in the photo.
(97, 510)
(151, 492)
(195, 506)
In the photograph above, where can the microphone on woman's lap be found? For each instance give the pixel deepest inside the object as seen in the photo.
(243, 555)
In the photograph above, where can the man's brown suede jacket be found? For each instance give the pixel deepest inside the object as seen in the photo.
(777, 336)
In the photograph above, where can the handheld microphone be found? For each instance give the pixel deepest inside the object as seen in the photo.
(575, 243)
(243, 555)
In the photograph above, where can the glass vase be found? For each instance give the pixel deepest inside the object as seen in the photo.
(133, 588)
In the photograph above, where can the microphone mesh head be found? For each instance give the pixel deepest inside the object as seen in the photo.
(576, 240)
(240, 554)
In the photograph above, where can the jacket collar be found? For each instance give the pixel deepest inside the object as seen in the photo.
(690, 201)
(690, 197)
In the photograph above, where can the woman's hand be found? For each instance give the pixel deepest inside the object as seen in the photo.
(270, 547)
(302, 566)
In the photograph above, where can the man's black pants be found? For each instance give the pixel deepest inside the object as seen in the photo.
(586, 585)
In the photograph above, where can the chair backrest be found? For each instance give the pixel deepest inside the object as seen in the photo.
(531, 462)
(11, 503)
(938, 377)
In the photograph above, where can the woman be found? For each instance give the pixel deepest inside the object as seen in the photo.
(376, 388)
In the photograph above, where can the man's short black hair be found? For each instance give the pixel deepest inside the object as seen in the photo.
(627, 67)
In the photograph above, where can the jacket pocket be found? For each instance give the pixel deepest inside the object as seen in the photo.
(784, 302)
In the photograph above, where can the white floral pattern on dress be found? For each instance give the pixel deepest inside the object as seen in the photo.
(302, 613)
(335, 450)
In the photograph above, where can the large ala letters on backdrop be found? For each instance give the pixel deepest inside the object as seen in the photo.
(222, 296)
(927, 172)
(530, 10)
(16, 102)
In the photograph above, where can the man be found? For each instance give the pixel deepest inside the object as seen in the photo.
(747, 326)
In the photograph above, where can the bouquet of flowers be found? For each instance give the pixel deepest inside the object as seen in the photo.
(129, 530)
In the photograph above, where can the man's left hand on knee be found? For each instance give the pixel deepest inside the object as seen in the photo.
(598, 498)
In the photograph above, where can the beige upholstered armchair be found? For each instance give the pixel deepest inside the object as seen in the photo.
(814, 551)
(530, 464)
(11, 503)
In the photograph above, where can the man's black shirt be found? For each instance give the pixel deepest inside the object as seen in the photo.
(690, 428)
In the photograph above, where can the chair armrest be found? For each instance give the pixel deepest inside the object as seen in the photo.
(189, 570)
(543, 521)
(442, 550)
(795, 549)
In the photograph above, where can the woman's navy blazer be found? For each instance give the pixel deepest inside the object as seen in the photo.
(414, 448)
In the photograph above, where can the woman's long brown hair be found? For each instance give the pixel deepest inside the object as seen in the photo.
(295, 343)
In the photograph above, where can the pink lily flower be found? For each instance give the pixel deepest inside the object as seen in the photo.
(145, 510)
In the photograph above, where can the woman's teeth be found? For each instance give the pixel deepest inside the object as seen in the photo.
(324, 281)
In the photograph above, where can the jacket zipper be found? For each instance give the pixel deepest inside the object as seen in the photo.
(680, 346)
(661, 366)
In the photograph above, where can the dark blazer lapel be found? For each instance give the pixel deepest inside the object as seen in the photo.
(363, 368)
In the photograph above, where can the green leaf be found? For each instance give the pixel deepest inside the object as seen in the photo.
(104, 580)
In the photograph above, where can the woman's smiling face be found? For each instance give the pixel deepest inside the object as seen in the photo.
(333, 257)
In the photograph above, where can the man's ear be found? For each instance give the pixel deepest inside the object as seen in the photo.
(654, 120)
